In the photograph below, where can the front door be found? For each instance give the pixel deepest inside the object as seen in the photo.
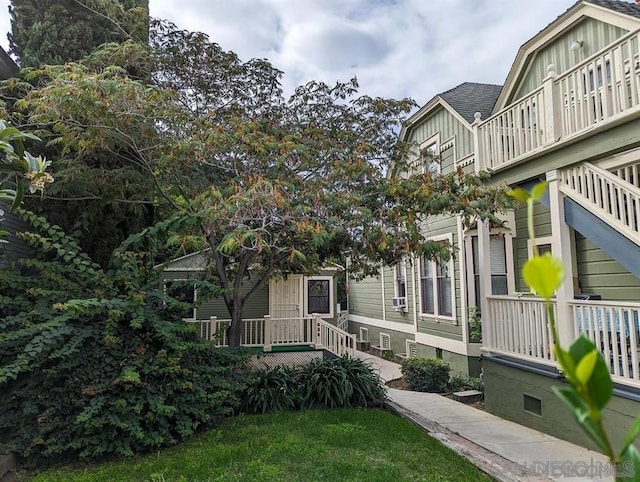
(286, 297)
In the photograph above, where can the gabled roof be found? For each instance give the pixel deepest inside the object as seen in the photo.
(621, 13)
(462, 101)
(470, 97)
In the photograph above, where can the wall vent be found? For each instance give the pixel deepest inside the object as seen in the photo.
(532, 405)
(412, 348)
(385, 341)
(364, 334)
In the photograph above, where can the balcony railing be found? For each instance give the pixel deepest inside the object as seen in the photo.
(268, 332)
(518, 327)
(599, 90)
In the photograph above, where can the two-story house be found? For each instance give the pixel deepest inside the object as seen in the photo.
(421, 307)
(568, 113)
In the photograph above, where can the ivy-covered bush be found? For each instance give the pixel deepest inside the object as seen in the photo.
(425, 374)
(97, 362)
(340, 382)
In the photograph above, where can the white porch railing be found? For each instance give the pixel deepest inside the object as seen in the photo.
(606, 195)
(268, 332)
(614, 328)
(602, 89)
(517, 326)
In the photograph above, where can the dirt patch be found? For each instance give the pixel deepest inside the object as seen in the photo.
(400, 384)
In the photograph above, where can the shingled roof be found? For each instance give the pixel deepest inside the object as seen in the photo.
(625, 8)
(470, 97)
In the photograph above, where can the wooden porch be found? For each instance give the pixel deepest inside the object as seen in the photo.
(274, 334)
(517, 326)
(599, 92)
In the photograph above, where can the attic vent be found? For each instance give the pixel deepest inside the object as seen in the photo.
(412, 348)
(364, 334)
(385, 341)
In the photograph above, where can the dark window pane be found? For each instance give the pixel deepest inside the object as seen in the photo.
(318, 296)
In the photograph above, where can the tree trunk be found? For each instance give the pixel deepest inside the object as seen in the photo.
(235, 330)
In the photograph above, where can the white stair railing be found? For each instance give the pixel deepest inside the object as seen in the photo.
(606, 195)
(333, 339)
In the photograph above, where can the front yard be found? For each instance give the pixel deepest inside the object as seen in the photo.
(332, 445)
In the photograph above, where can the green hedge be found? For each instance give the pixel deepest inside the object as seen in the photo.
(425, 374)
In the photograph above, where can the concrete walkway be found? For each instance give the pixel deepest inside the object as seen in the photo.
(505, 450)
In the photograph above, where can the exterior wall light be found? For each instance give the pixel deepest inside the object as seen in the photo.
(576, 45)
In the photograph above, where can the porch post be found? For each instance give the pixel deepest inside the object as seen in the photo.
(562, 243)
(552, 107)
(478, 145)
(267, 333)
(484, 267)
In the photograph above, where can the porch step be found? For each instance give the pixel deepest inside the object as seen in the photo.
(467, 396)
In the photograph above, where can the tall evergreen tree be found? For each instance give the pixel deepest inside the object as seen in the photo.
(59, 31)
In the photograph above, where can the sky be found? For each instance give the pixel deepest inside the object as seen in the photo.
(395, 48)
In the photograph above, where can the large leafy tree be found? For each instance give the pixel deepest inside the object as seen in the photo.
(272, 186)
(99, 198)
(59, 31)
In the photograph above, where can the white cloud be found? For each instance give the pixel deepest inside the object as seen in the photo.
(396, 48)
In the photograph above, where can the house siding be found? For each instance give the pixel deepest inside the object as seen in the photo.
(601, 275)
(256, 307)
(542, 225)
(594, 34)
(448, 126)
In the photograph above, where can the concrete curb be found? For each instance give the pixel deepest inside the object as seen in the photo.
(489, 462)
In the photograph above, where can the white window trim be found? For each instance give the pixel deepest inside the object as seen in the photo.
(306, 295)
(434, 140)
(396, 293)
(508, 246)
(363, 334)
(539, 242)
(435, 316)
(195, 295)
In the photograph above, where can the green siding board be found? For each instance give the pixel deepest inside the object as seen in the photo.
(599, 274)
(542, 224)
(445, 123)
(364, 297)
(256, 307)
(595, 36)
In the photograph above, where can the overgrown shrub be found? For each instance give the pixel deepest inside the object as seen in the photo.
(341, 382)
(425, 374)
(459, 382)
(97, 362)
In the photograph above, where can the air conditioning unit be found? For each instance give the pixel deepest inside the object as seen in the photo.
(399, 303)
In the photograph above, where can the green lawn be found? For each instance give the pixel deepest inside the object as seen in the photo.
(329, 445)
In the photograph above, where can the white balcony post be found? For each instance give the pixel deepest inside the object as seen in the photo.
(484, 266)
(552, 107)
(478, 145)
(267, 333)
(562, 244)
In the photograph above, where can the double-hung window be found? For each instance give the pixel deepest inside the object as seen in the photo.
(436, 287)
